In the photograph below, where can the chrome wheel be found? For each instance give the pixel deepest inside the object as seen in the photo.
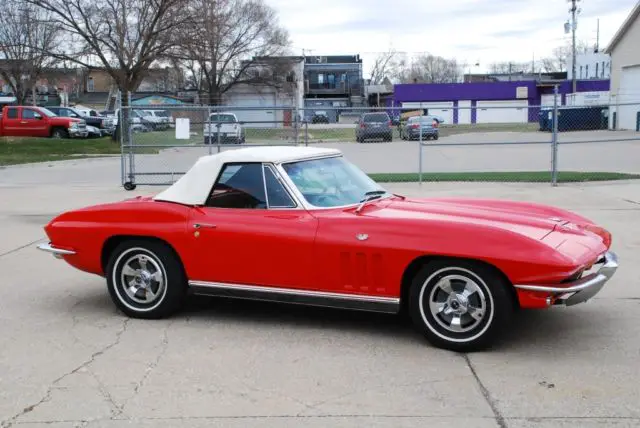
(457, 303)
(142, 279)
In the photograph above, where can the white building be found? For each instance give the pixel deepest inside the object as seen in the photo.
(270, 105)
(591, 65)
(625, 73)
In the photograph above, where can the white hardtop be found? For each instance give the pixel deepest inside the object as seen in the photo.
(194, 186)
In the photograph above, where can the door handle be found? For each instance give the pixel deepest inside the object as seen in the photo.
(24, 122)
(204, 226)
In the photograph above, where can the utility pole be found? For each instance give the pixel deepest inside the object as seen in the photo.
(598, 37)
(574, 11)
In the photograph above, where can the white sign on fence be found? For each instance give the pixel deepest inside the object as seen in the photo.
(182, 128)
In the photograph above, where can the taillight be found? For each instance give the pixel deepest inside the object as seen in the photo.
(435, 123)
(390, 124)
(362, 125)
(414, 126)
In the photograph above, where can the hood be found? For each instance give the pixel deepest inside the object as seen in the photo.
(531, 220)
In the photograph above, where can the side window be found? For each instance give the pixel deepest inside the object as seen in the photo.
(12, 113)
(239, 186)
(277, 195)
(29, 114)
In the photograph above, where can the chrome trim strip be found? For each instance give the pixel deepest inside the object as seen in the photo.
(585, 287)
(55, 251)
(368, 303)
(293, 291)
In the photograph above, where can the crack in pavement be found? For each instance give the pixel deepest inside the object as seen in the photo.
(47, 396)
(151, 367)
(500, 420)
(15, 250)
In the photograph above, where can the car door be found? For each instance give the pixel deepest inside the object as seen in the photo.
(251, 231)
(11, 123)
(33, 123)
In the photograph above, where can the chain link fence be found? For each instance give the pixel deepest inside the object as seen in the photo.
(546, 143)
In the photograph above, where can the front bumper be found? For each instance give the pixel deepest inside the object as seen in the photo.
(581, 289)
(78, 133)
(57, 252)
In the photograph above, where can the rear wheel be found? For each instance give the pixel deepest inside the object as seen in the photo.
(460, 305)
(146, 279)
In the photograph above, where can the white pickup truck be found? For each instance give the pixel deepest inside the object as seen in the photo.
(227, 125)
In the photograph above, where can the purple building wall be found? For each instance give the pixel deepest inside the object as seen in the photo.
(487, 91)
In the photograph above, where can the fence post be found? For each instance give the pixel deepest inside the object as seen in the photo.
(306, 132)
(296, 125)
(118, 108)
(132, 168)
(218, 127)
(209, 127)
(554, 139)
(420, 147)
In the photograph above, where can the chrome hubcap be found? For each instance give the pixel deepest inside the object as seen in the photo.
(457, 303)
(142, 279)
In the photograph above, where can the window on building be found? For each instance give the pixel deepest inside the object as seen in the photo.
(602, 68)
(586, 68)
(597, 66)
(90, 85)
(320, 78)
(581, 70)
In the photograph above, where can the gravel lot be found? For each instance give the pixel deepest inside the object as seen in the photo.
(68, 358)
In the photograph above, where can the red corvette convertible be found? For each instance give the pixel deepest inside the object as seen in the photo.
(303, 225)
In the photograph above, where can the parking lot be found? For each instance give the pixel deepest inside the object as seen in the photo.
(68, 358)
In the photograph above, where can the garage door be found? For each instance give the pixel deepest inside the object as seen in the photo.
(442, 109)
(262, 117)
(629, 92)
(513, 111)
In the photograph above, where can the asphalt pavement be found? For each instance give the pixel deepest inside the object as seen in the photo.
(69, 359)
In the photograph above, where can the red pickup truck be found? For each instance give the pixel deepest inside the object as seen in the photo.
(28, 121)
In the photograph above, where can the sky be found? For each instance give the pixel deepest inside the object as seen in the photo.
(472, 31)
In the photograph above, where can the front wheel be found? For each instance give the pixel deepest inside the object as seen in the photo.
(146, 279)
(460, 305)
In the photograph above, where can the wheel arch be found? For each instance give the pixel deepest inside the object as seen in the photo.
(111, 243)
(416, 264)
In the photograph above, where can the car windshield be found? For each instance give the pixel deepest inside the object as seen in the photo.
(223, 118)
(47, 112)
(161, 113)
(331, 182)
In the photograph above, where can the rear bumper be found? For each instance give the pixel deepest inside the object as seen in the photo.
(580, 290)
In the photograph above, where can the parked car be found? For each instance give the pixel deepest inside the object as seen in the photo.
(162, 118)
(320, 117)
(227, 125)
(416, 127)
(304, 225)
(104, 124)
(31, 121)
(374, 126)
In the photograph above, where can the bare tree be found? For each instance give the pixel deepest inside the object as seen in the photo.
(27, 34)
(562, 55)
(123, 37)
(510, 67)
(229, 43)
(384, 67)
(427, 68)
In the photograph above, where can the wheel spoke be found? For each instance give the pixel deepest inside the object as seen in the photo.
(456, 323)
(467, 291)
(133, 290)
(143, 263)
(157, 276)
(476, 313)
(437, 307)
(129, 271)
(445, 285)
(149, 295)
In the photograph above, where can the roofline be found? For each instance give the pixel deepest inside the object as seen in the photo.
(624, 28)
